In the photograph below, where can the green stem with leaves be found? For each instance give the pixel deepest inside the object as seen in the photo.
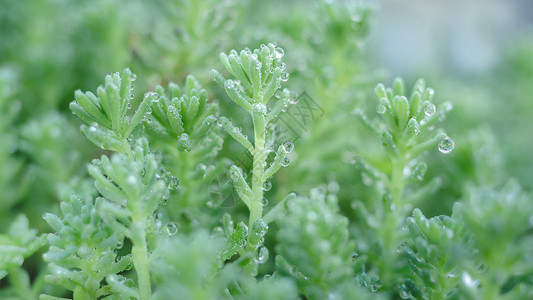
(139, 256)
(256, 208)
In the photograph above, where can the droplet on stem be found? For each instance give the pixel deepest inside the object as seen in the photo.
(429, 110)
(267, 185)
(446, 145)
(288, 146)
(171, 228)
(285, 161)
(279, 52)
(261, 255)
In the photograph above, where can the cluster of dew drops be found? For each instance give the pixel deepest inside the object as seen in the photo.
(288, 146)
(170, 228)
(446, 145)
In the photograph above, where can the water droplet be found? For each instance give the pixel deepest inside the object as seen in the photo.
(381, 109)
(158, 223)
(468, 281)
(92, 129)
(285, 76)
(405, 293)
(229, 84)
(119, 245)
(446, 145)
(173, 183)
(288, 146)
(129, 105)
(264, 202)
(429, 110)
(164, 200)
(184, 143)
(210, 204)
(261, 255)
(279, 52)
(260, 107)
(149, 111)
(420, 171)
(155, 100)
(160, 173)
(171, 228)
(267, 185)
(285, 161)
(132, 180)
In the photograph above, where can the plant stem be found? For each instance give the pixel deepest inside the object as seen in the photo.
(392, 214)
(139, 254)
(256, 209)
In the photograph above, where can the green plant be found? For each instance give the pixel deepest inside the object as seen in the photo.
(285, 195)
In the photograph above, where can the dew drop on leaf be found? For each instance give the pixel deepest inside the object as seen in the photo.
(446, 145)
(173, 183)
(229, 84)
(132, 180)
(264, 202)
(288, 146)
(171, 228)
(279, 52)
(285, 76)
(468, 281)
(267, 185)
(119, 245)
(405, 293)
(381, 109)
(285, 161)
(429, 110)
(261, 255)
(160, 173)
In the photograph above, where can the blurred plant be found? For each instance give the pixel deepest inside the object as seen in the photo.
(407, 129)
(181, 125)
(83, 250)
(499, 220)
(11, 166)
(19, 243)
(186, 35)
(314, 246)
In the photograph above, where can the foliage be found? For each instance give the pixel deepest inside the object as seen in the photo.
(285, 195)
